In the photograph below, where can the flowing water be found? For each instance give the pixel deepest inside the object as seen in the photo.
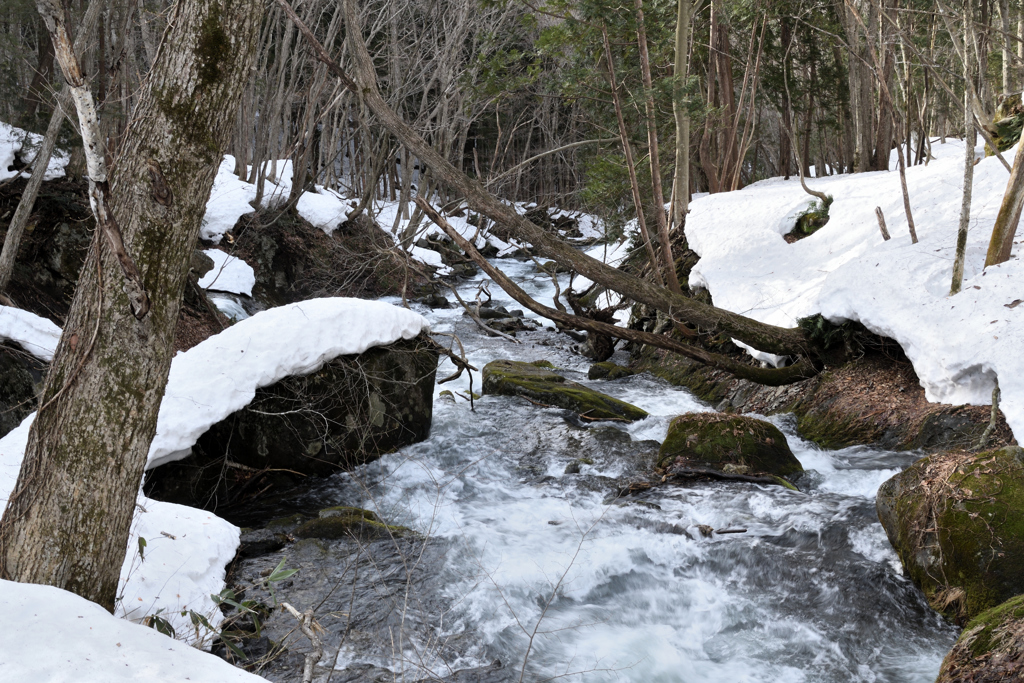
(554, 576)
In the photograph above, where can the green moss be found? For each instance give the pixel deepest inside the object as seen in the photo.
(608, 370)
(727, 442)
(543, 364)
(346, 522)
(958, 527)
(985, 625)
(706, 383)
(539, 384)
(832, 431)
(213, 47)
(290, 521)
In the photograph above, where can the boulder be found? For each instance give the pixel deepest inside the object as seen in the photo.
(348, 522)
(539, 383)
(351, 411)
(730, 444)
(990, 649)
(608, 370)
(957, 523)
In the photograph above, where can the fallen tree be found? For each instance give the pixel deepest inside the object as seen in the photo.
(680, 308)
(769, 376)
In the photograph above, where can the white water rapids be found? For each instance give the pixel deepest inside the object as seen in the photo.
(811, 592)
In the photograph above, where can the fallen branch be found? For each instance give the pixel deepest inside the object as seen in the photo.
(767, 376)
(312, 630)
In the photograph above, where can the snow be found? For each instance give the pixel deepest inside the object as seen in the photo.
(183, 562)
(958, 345)
(187, 549)
(229, 274)
(220, 376)
(229, 201)
(55, 636)
(13, 146)
(35, 334)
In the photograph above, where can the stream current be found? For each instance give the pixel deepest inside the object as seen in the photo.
(552, 575)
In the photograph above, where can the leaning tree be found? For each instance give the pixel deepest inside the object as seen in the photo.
(67, 520)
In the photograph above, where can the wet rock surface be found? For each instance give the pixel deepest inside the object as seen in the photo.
(957, 523)
(538, 383)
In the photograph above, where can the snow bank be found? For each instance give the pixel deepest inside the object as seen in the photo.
(35, 334)
(55, 636)
(15, 143)
(845, 271)
(229, 274)
(220, 376)
(182, 565)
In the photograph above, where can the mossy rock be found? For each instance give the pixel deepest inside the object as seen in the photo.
(728, 443)
(990, 649)
(538, 383)
(348, 522)
(608, 370)
(957, 523)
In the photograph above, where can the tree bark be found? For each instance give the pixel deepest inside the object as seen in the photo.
(1001, 243)
(68, 518)
(681, 183)
(778, 340)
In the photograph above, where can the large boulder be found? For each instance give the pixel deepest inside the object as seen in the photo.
(990, 649)
(957, 523)
(539, 383)
(731, 444)
(351, 411)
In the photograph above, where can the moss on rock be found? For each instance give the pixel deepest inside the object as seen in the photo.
(538, 383)
(957, 524)
(727, 443)
(608, 370)
(347, 522)
(990, 649)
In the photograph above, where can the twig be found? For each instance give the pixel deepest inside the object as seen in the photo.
(881, 223)
(312, 630)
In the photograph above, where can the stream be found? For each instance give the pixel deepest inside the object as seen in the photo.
(529, 573)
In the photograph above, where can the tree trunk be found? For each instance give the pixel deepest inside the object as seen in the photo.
(970, 139)
(68, 519)
(681, 183)
(1001, 243)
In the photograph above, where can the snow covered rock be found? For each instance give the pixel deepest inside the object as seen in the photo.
(229, 274)
(220, 376)
(350, 411)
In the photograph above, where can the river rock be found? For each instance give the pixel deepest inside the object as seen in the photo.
(351, 411)
(342, 521)
(731, 444)
(538, 382)
(608, 370)
(957, 523)
(990, 649)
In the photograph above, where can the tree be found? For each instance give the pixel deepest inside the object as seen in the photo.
(68, 518)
